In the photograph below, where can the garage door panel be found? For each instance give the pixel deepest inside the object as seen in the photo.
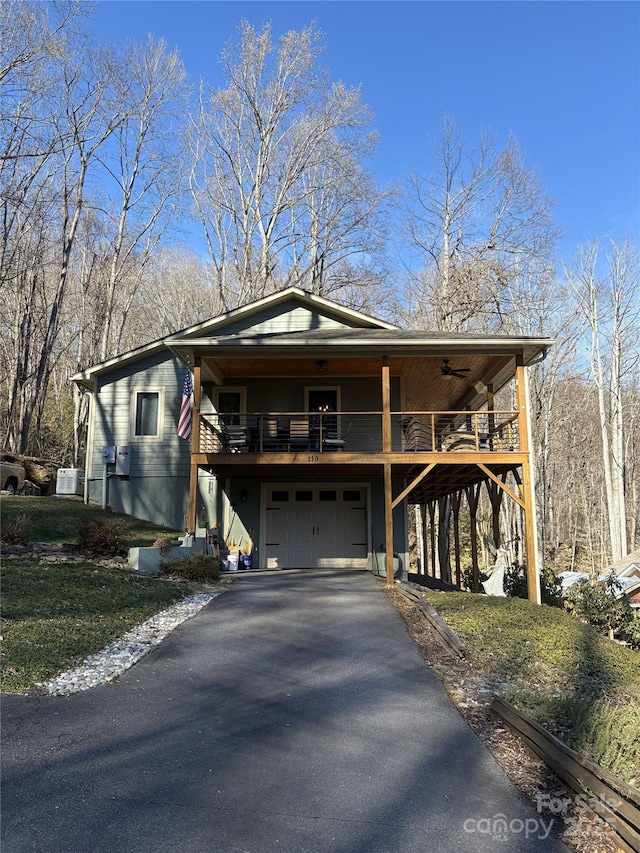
(316, 527)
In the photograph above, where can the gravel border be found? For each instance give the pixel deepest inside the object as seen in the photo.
(115, 659)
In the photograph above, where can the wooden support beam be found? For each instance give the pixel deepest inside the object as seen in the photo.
(386, 405)
(413, 484)
(456, 497)
(495, 497)
(432, 536)
(195, 445)
(473, 498)
(491, 407)
(423, 537)
(197, 399)
(521, 404)
(444, 507)
(388, 523)
(528, 486)
(502, 485)
(531, 536)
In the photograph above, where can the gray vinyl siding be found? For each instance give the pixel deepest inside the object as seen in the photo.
(158, 485)
(362, 394)
(157, 488)
(272, 320)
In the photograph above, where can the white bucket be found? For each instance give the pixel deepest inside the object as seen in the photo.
(233, 563)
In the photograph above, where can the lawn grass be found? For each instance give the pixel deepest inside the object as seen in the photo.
(55, 614)
(56, 520)
(579, 685)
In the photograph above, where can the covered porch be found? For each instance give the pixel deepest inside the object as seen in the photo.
(439, 435)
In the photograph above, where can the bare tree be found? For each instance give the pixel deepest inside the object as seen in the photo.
(178, 292)
(278, 176)
(143, 160)
(87, 135)
(609, 305)
(36, 49)
(483, 230)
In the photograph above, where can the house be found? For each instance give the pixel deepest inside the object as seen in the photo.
(314, 428)
(627, 575)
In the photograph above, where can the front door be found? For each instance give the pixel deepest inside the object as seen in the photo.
(319, 526)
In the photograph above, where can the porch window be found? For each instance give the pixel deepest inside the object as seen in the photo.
(147, 409)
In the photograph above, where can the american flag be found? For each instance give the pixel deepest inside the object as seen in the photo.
(184, 420)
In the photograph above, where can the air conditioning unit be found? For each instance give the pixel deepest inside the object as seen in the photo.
(70, 481)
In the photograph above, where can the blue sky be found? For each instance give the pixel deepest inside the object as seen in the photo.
(563, 77)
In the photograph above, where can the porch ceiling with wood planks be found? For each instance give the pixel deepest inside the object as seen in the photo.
(423, 386)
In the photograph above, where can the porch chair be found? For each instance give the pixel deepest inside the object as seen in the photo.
(236, 437)
(334, 440)
(271, 438)
(417, 435)
(299, 434)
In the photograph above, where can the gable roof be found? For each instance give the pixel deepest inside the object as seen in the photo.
(354, 333)
(293, 296)
(215, 326)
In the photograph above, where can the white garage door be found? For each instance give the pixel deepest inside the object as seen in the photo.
(316, 527)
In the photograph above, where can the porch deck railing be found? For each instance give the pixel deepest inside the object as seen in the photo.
(360, 432)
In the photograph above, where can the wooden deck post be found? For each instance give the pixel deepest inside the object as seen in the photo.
(490, 407)
(455, 507)
(432, 536)
(388, 523)
(473, 496)
(386, 405)
(444, 550)
(195, 445)
(424, 550)
(495, 497)
(386, 448)
(528, 489)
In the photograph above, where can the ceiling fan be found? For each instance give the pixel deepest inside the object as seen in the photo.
(446, 371)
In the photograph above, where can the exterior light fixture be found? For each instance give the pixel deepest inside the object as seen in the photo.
(321, 366)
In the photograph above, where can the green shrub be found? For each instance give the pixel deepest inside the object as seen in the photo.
(467, 578)
(197, 567)
(606, 731)
(598, 604)
(631, 634)
(103, 537)
(515, 584)
(556, 669)
(16, 530)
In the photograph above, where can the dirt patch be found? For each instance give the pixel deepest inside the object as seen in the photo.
(578, 826)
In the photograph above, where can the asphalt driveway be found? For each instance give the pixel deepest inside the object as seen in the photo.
(293, 714)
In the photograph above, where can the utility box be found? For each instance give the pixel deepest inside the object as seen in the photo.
(69, 481)
(109, 455)
(123, 460)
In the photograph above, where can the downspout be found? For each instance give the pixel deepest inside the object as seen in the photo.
(88, 459)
